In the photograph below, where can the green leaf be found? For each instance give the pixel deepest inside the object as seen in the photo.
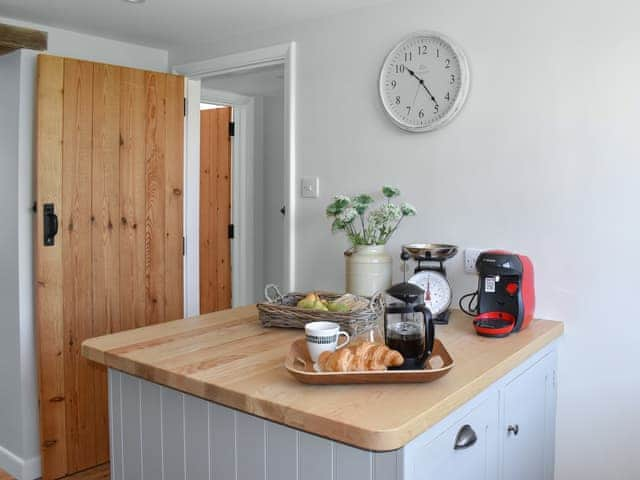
(363, 199)
(390, 192)
(337, 225)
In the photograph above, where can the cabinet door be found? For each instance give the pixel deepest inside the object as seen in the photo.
(440, 459)
(528, 424)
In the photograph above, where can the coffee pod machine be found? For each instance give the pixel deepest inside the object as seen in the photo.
(505, 299)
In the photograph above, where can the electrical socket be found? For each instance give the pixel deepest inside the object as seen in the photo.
(470, 258)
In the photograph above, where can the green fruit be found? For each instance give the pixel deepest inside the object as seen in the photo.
(338, 307)
(320, 306)
(306, 303)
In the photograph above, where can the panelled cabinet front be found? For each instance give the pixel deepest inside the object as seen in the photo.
(466, 450)
(158, 432)
(527, 425)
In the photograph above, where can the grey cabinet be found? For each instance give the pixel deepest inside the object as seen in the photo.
(528, 421)
(467, 450)
(158, 432)
(514, 426)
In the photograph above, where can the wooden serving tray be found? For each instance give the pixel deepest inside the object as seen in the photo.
(299, 364)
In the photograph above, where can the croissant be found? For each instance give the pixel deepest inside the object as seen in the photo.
(365, 356)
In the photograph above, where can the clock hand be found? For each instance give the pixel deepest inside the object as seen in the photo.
(421, 81)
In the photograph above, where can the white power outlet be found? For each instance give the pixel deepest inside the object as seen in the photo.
(470, 257)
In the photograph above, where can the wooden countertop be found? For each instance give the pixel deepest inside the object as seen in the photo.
(228, 358)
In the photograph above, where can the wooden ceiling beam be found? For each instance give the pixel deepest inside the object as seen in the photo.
(12, 38)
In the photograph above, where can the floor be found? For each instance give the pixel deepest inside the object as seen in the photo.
(98, 473)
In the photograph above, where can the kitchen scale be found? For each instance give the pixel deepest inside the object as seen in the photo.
(431, 276)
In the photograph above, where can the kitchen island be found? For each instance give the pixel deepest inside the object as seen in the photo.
(208, 397)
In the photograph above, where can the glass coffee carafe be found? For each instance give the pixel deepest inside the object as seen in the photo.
(408, 326)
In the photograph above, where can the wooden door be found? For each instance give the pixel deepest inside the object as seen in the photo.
(215, 210)
(110, 164)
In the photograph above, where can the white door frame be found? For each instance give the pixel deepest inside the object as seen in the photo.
(242, 286)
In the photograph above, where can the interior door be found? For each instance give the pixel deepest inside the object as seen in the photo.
(215, 210)
(109, 182)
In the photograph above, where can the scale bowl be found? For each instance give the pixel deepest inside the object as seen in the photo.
(430, 251)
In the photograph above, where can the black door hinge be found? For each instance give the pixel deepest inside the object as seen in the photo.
(232, 129)
(185, 107)
(34, 209)
(184, 248)
(232, 231)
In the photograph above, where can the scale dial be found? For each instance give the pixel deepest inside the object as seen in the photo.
(437, 292)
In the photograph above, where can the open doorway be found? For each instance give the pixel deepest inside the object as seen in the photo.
(259, 92)
(239, 81)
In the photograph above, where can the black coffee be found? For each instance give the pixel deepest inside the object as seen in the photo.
(407, 338)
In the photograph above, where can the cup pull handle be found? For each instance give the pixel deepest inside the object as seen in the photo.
(466, 438)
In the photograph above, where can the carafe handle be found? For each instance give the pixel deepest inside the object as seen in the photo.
(429, 332)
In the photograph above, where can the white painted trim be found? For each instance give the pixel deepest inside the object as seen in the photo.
(237, 62)
(277, 54)
(210, 95)
(192, 200)
(18, 467)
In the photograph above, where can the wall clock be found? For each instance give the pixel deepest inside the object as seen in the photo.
(424, 82)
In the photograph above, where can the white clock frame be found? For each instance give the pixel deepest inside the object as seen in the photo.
(465, 80)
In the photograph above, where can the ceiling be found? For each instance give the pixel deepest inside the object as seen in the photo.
(267, 81)
(172, 23)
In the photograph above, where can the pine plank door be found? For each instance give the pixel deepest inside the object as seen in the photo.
(215, 210)
(109, 174)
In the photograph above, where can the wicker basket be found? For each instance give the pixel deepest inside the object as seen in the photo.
(281, 311)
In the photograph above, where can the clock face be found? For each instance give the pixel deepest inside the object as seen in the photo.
(437, 292)
(424, 82)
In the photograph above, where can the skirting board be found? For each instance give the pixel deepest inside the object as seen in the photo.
(18, 467)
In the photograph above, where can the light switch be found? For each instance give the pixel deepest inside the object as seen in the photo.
(310, 187)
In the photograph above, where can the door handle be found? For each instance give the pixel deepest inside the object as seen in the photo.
(513, 429)
(283, 210)
(466, 438)
(50, 223)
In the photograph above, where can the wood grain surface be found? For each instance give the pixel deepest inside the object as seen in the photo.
(229, 358)
(49, 268)
(215, 210)
(110, 159)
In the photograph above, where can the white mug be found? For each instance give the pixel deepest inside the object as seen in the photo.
(323, 337)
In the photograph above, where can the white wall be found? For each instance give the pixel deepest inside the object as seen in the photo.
(19, 441)
(10, 418)
(87, 47)
(543, 159)
(273, 189)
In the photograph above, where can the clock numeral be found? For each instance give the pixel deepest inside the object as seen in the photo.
(447, 63)
(399, 68)
(408, 109)
(435, 108)
(421, 113)
(398, 100)
(408, 56)
(394, 84)
(452, 79)
(422, 49)
(447, 97)
(438, 52)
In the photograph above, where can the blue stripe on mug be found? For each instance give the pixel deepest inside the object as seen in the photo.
(322, 340)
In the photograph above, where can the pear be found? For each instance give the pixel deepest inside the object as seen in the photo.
(308, 302)
(320, 306)
(338, 307)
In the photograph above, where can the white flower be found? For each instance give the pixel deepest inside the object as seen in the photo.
(385, 215)
(408, 210)
(348, 215)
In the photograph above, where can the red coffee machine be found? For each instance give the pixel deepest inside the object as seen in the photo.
(505, 299)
